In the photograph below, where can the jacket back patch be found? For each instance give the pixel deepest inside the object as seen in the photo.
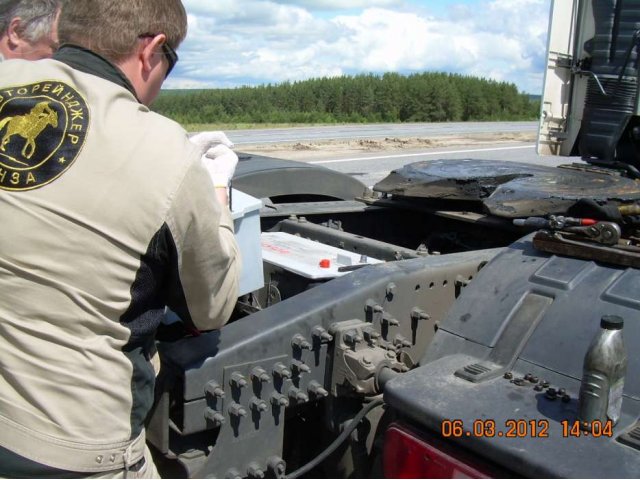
(43, 127)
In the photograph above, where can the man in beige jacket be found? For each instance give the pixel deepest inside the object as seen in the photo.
(108, 215)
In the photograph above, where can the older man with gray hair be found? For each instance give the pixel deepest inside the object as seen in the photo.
(28, 28)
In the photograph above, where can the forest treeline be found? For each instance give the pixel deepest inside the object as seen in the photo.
(392, 97)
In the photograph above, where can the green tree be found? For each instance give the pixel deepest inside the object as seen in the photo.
(391, 97)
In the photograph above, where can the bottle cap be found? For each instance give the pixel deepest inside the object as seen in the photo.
(612, 322)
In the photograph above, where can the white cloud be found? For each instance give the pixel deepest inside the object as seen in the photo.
(341, 4)
(240, 42)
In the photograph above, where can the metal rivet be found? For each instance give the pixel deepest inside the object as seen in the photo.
(279, 400)
(258, 405)
(391, 289)
(254, 471)
(238, 380)
(260, 375)
(280, 370)
(298, 341)
(297, 395)
(389, 320)
(216, 417)
(277, 467)
(214, 389)
(419, 314)
(317, 390)
(237, 410)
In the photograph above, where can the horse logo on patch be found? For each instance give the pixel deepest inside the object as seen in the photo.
(43, 127)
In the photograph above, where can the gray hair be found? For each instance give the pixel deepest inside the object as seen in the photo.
(37, 17)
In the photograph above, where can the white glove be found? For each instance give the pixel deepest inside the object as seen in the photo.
(206, 140)
(220, 161)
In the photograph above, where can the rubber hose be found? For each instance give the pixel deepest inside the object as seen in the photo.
(336, 443)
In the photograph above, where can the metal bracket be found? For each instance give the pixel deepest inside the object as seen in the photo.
(358, 359)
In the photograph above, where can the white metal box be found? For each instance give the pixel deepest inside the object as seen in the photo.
(245, 211)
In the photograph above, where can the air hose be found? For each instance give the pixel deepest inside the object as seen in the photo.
(338, 441)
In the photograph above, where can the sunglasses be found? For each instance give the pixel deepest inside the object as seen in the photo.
(172, 57)
(167, 50)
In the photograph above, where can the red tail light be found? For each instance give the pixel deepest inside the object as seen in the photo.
(408, 456)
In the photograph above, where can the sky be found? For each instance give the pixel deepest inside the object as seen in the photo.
(232, 43)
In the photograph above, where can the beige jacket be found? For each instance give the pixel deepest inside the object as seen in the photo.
(106, 215)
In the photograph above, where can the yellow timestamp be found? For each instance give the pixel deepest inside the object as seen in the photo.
(522, 428)
(489, 428)
(597, 428)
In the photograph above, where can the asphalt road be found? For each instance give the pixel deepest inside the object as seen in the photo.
(371, 167)
(424, 130)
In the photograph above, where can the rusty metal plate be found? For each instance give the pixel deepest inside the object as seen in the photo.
(506, 189)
